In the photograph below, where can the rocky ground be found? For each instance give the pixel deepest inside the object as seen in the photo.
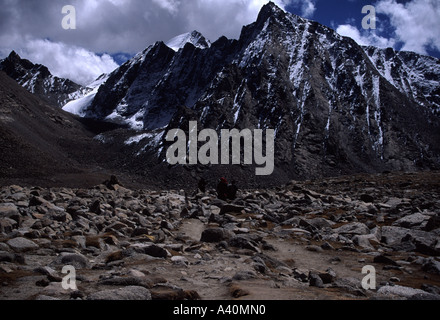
(305, 240)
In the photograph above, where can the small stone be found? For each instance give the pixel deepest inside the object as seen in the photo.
(431, 266)
(367, 198)
(244, 275)
(314, 248)
(385, 260)
(315, 280)
(327, 246)
(180, 260)
(244, 243)
(328, 277)
(166, 225)
(126, 281)
(95, 207)
(154, 251)
(6, 256)
(237, 292)
(227, 208)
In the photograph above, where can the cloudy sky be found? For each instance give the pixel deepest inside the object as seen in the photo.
(110, 31)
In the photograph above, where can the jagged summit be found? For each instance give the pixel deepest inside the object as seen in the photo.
(195, 38)
(13, 56)
(268, 10)
(37, 79)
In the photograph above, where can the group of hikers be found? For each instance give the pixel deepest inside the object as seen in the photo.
(225, 191)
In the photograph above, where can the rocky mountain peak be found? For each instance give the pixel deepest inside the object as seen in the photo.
(195, 38)
(13, 56)
(268, 10)
(37, 79)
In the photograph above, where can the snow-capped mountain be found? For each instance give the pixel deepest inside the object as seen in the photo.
(335, 107)
(195, 38)
(417, 76)
(38, 80)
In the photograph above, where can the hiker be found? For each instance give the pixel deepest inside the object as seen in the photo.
(202, 185)
(222, 189)
(232, 191)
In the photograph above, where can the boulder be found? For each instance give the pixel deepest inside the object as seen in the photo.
(126, 282)
(76, 260)
(352, 228)
(151, 250)
(227, 208)
(22, 244)
(411, 221)
(9, 210)
(431, 266)
(367, 198)
(129, 293)
(401, 291)
(315, 280)
(243, 242)
(244, 275)
(365, 240)
(213, 235)
(433, 223)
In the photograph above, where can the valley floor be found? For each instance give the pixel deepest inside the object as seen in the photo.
(304, 241)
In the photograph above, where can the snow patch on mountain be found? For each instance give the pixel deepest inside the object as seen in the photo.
(195, 38)
(82, 101)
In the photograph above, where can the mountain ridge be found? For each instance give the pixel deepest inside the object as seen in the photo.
(336, 107)
(333, 109)
(37, 79)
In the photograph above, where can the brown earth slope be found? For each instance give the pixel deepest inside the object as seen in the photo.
(43, 145)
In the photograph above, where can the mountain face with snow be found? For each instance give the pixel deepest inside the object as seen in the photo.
(38, 80)
(336, 107)
(417, 76)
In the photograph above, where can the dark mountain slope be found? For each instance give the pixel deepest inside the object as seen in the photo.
(43, 145)
(336, 107)
(38, 80)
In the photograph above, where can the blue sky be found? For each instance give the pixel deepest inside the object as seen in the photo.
(111, 31)
(401, 24)
(337, 13)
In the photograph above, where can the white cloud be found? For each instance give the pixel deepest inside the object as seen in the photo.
(74, 63)
(364, 38)
(172, 6)
(114, 26)
(416, 23)
(130, 26)
(308, 7)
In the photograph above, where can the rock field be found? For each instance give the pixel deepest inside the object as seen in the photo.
(304, 240)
